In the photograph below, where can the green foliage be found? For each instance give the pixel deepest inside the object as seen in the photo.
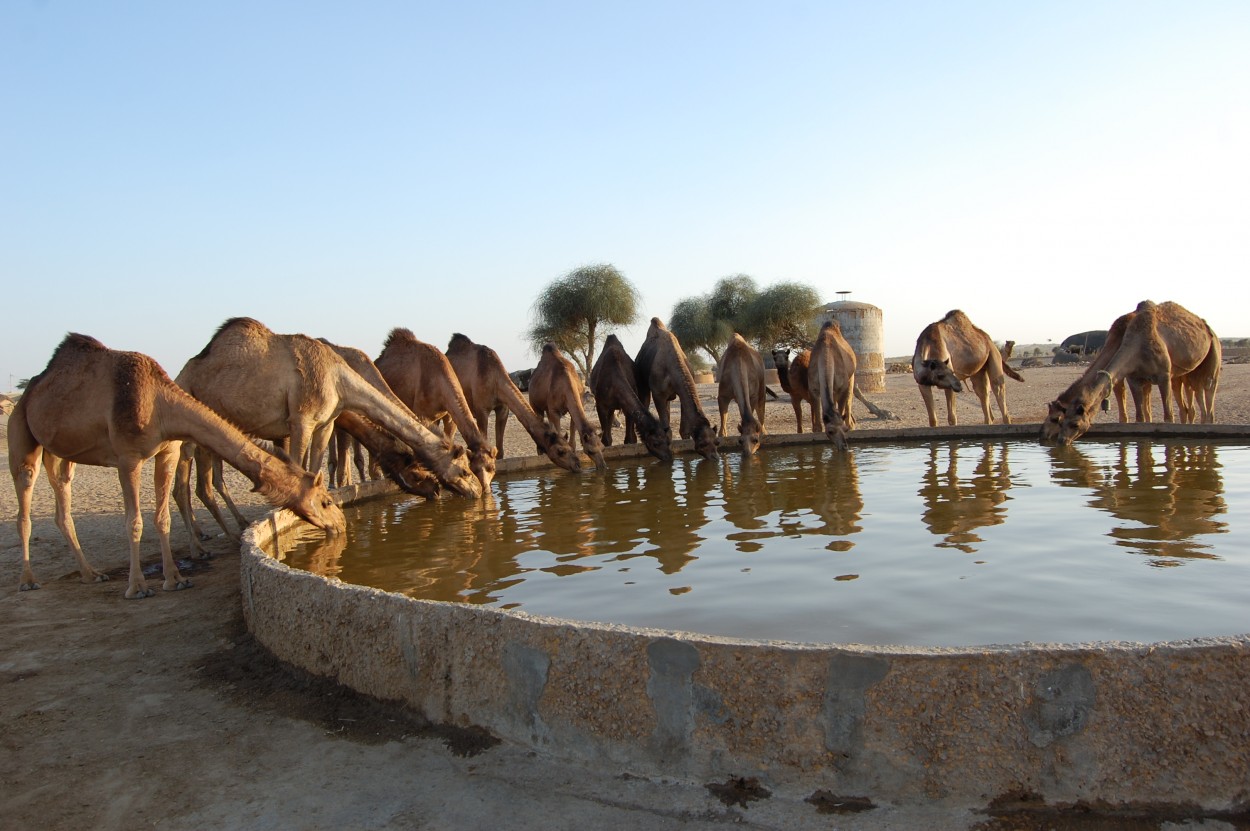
(781, 315)
(23, 383)
(577, 311)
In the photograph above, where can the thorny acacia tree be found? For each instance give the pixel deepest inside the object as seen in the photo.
(780, 315)
(577, 311)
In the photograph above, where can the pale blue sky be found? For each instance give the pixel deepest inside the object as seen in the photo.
(343, 168)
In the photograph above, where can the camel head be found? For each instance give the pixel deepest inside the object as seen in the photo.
(455, 474)
(835, 429)
(934, 372)
(307, 496)
(592, 444)
(706, 441)
(751, 436)
(413, 477)
(482, 464)
(559, 451)
(1067, 421)
(657, 438)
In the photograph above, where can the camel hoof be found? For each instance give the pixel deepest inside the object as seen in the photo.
(205, 537)
(100, 577)
(139, 594)
(28, 587)
(184, 583)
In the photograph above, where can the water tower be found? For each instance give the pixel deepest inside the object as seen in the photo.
(861, 326)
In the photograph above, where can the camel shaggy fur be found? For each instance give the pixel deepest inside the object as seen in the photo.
(831, 376)
(613, 383)
(487, 388)
(663, 373)
(793, 378)
(1163, 345)
(953, 350)
(278, 386)
(742, 382)
(554, 390)
(96, 406)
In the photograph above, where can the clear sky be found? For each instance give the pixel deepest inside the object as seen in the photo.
(340, 169)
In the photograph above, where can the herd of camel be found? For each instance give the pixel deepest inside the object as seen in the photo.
(97, 406)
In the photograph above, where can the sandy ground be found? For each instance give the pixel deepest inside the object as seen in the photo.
(162, 713)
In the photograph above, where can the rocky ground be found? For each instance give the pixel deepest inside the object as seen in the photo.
(162, 713)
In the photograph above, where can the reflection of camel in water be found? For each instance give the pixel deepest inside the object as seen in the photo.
(956, 506)
(1168, 505)
(659, 512)
(825, 487)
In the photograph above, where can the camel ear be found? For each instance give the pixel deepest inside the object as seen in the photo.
(947, 363)
(318, 480)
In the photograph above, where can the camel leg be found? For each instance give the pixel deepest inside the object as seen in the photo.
(24, 466)
(128, 475)
(1165, 395)
(501, 427)
(358, 458)
(1000, 395)
(165, 464)
(1121, 402)
(798, 413)
(926, 393)
(952, 415)
(182, 496)
(724, 410)
(205, 461)
(605, 422)
(219, 485)
(981, 386)
(811, 406)
(61, 478)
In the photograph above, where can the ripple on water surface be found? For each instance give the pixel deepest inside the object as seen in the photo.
(952, 543)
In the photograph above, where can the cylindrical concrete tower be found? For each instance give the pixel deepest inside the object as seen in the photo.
(861, 326)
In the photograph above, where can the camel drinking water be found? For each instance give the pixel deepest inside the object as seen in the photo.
(663, 373)
(96, 406)
(742, 382)
(554, 390)
(1163, 345)
(423, 378)
(613, 383)
(831, 376)
(953, 350)
(487, 388)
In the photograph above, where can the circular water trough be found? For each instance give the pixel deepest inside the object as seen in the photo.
(1106, 724)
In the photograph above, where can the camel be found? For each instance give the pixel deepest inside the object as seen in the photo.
(663, 373)
(278, 386)
(953, 350)
(487, 388)
(423, 379)
(614, 386)
(96, 406)
(793, 378)
(742, 381)
(1163, 344)
(555, 389)
(831, 377)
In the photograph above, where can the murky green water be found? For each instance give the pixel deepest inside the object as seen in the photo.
(953, 543)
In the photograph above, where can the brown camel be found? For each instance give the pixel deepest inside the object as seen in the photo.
(487, 388)
(96, 406)
(1164, 345)
(279, 386)
(613, 384)
(953, 350)
(663, 373)
(742, 381)
(831, 376)
(423, 378)
(555, 389)
(793, 378)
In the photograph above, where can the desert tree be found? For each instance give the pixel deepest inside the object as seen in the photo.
(708, 322)
(783, 314)
(577, 311)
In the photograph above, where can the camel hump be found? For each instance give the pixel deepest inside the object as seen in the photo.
(611, 340)
(242, 325)
(76, 342)
(1145, 304)
(549, 348)
(459, 341)
(398, 334)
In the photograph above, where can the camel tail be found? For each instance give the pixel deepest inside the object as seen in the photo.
(1011, 373)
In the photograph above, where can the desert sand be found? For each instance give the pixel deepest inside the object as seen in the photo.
(162, 713)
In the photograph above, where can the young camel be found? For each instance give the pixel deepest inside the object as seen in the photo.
(555, 390)
(953, 350)
(793, 378)
(487, 388)
(96, 406)
(423, 379)
(831, 375)
(662, 373)
(742, 381)
(278, 386)
(1163, 344)
(613, 384)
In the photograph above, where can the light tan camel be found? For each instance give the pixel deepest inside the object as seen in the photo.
(663, 373)
(831, 378)
(613, 384)
(953, 350)
(423, 378)
(96, 406)
(554, 390)
(1164, 345)
(278, 386)
(742, 382)
(793, 378)
(487, 388)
